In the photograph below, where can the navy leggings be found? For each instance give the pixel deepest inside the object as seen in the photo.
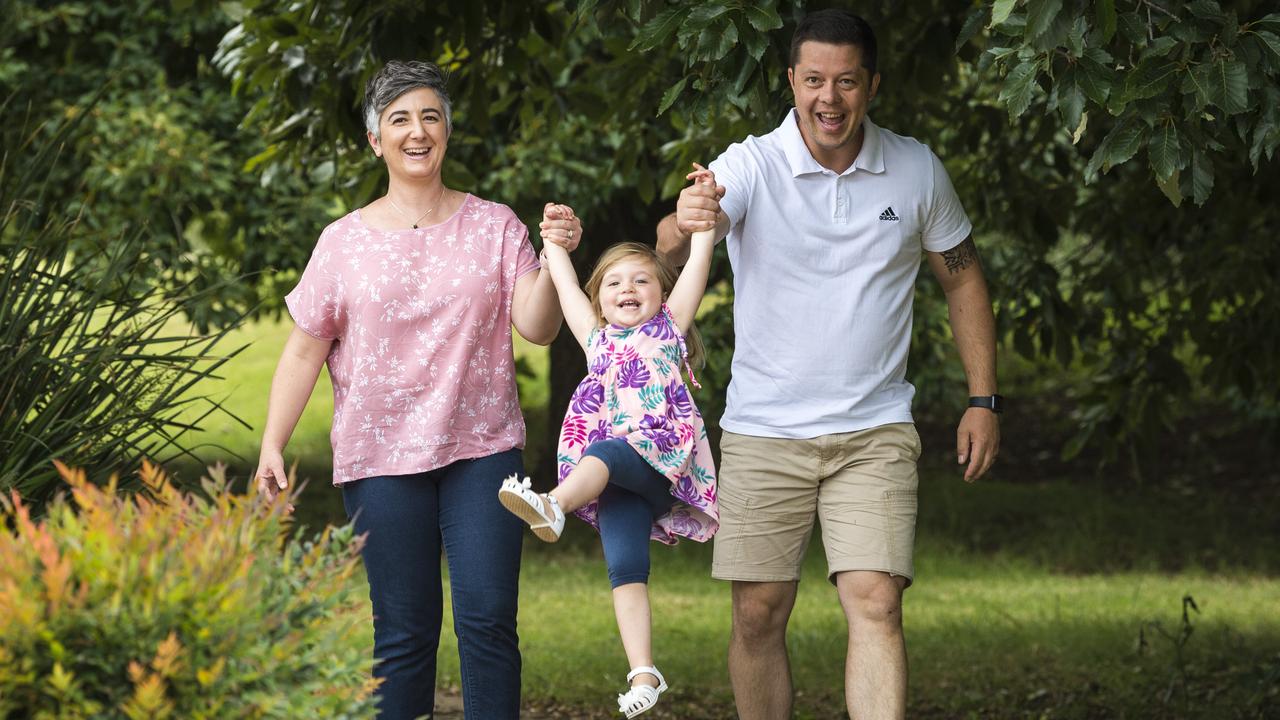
(635, 495)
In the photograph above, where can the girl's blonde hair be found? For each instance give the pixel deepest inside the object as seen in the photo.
(666, 277)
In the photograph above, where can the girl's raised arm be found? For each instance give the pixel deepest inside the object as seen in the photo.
(578, 312)
(686, 296)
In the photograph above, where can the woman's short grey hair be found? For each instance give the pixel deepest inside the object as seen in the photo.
(397, 78)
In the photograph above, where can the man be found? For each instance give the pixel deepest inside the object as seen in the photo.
(826, 218)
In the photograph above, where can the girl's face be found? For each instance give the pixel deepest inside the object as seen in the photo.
(630, 292)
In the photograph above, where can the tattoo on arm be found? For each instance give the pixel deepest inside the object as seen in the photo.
(960, 257)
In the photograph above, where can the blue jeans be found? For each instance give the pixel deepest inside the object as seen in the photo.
(408, 518)
(635, 495)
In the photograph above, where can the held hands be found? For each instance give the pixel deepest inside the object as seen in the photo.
(698, 207)
(977, 442)
(560, 226)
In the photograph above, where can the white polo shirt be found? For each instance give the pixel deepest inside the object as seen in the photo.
(824, 271)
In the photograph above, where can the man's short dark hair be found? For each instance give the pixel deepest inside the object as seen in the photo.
(836, 27)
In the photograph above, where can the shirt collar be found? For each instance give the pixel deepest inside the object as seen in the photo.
(870, 158)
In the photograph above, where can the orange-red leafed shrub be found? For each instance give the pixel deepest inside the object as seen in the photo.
(168, 604)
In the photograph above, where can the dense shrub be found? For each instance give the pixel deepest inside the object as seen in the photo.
(165, 604)
(97, 368)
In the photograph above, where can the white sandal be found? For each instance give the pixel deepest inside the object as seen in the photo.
(518, 497)
(641, 697)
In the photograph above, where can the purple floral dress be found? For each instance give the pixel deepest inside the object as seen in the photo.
(633, 390)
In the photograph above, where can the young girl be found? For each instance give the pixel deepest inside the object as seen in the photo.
(633, 455)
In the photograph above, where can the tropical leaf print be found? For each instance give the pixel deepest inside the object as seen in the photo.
(600, 363)
(661, 366)
(651, 396)
(673, 354)
(600, 433)
(574, 430)
(633, 374)
(588, 397)
(656, 428)
(672, 458)
(658, 327)
(678, 403)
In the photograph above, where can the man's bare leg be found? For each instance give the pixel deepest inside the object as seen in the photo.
(875, 676)
(758, 665)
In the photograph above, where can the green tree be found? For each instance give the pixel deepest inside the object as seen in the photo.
(1073, 131)
(161, 147)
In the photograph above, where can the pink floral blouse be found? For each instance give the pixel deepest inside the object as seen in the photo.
(422, 366)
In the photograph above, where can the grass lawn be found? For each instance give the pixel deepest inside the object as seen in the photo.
(990, 635)
(1049, 600)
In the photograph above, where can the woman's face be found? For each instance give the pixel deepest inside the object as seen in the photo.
(414, 135)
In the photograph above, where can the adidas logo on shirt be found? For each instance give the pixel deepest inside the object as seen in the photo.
(888, 214)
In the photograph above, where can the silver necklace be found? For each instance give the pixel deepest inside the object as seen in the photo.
(414, 223)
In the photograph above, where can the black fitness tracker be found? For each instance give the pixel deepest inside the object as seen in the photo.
(994, 403)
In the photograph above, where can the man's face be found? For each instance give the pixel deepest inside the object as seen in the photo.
(832, 92)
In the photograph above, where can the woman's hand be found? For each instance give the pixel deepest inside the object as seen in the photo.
(270, 477)
(560, 226)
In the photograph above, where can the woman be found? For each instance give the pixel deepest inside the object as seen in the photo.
(411, 300)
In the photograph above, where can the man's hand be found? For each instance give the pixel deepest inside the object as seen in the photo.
(977, 442)
(698, 207)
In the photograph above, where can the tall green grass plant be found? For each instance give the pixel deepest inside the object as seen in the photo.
(88, 373)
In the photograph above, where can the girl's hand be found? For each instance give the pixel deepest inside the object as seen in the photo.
(560, 226)
(270, 477)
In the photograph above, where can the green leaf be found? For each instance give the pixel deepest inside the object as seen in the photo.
(716, 42)
(1070, 102)
(972, 25)
(1018, 87)
(1171, 187)
(1118, 146)
(1165, 150)
(1207, 10)
(659, 30)
(1040, 14)
(1150, 78)
(763, 19)
(1271, 44)
(705, 12)
(1229, 86)
(1075, 38)
(1266, 137)
(673, 92)
(1000, 11)
(756, 43)
(1132, 27)
(1105, 11)
(1125, 144)
(1095, 80)
(1201, 176)
(1199, 82)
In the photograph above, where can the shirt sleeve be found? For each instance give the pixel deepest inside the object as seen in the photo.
(316, 303)
(734, 170)
(526, 256)
(947, 224)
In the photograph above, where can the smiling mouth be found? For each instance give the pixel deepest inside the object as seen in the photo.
(629, 305)
(830, 121)
(417, 153)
